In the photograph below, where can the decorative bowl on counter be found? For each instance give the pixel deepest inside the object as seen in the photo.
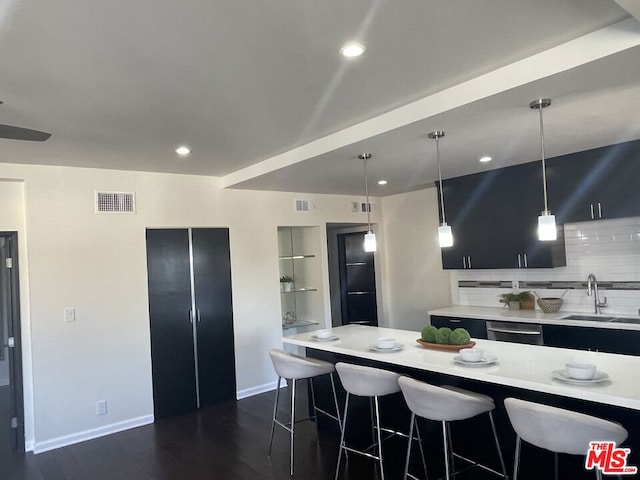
(442, 346)
(550, 304)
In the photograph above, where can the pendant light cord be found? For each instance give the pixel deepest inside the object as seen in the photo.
(440, 178)
(544, 167)
(366, 190)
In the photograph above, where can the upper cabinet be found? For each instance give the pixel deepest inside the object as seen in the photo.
(493, 214)
(494, 218)
(595, 184)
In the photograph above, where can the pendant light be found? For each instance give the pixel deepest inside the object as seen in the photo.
(445, 236)
(369, 237)
(546, 222)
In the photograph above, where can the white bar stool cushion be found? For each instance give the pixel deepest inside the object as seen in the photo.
(289, 365)
(559, 430)
(367, 381)
(443, 404)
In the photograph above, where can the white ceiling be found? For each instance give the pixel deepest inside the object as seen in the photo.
(258, 91)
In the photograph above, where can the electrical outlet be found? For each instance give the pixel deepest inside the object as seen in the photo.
(515, 284)
(70, 314)
(101, 407)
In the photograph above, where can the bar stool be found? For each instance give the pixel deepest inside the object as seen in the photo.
(447, 404)
(294, 367)
(372, 383)
(558, 430)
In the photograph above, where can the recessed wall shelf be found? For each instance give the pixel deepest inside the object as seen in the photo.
(298, 256)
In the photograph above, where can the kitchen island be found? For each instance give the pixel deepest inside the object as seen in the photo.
(523, 371)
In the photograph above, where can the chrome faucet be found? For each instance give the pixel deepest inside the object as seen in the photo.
(592, 289)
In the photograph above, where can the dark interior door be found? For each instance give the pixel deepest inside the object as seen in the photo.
(357, 280)
(172, 348)
(11, 395)
(212, 281)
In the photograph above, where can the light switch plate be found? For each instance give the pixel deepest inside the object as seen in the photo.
(69, 314)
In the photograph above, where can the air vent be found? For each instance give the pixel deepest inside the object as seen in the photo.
(361, 207)
(303, 205)
(115, 202)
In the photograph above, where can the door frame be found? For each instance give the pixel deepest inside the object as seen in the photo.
(16, 395)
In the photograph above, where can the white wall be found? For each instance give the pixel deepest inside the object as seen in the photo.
(414, 281)
(97, 264)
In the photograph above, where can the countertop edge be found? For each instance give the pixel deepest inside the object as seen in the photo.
(528, 316)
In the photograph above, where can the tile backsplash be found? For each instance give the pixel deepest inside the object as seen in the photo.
(610, 249)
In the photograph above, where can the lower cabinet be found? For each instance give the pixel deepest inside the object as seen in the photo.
(477, 328)
(597, 339)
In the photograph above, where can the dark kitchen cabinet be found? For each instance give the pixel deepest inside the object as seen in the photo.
(477, 328)
(191, 318)
(596, 339)
(596, 184)
(493, 216)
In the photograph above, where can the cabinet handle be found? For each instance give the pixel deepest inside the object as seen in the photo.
(469, 260)
(519, 262)
(599, 210)
(198, 315)
(452, 320)
(518, 332)
(592, 217)
(190, 316)
(525, 261)
(464, 262)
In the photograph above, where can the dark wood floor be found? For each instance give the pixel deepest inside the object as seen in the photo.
(224, 442)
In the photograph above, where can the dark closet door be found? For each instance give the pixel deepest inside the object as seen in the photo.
(357, 280)
(212, 281)
(172, 348)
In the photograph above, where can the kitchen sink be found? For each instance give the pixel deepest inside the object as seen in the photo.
(593, 318)
(625, 320)
(600, 318)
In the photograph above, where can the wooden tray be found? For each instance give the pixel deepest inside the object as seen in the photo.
(446, 348)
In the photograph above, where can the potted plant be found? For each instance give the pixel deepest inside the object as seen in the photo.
(286, 282)
(517, 301)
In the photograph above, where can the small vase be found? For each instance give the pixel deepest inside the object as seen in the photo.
(514, 305)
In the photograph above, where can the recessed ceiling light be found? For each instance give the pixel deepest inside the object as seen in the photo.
(382, 182)
(183, 151)
(352, 49)
(485, 159)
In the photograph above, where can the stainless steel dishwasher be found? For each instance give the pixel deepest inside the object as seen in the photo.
(530, 333)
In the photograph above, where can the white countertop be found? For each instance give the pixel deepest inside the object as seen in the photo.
(531, 316)
(521, 366)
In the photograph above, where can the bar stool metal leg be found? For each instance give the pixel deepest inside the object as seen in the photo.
(275, 409)
(377, 405)
(424, 460)
(495, 437)
(293, 420)
(344, 427)
(335, 400)
(516, 461)
(406, 463)
(446, 449)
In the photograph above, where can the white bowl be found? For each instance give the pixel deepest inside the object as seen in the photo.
(581, 371)
(325, 333)
(471, 354)
(386, 342)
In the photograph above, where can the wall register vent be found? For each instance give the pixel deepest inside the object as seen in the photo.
(115, 202)
(304, 205)
(362, 207)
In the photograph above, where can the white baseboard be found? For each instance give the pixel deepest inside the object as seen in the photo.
(40, 447)
(267, 387)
